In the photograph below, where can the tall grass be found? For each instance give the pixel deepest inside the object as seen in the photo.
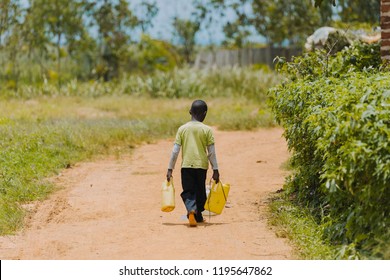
(179, 83)
(45, 129)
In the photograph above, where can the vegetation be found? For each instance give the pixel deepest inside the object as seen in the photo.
(44, 130)
(59, 41)
(299, 225)
(83, 77)
(335, 114)
(354, 10)
(280, 23)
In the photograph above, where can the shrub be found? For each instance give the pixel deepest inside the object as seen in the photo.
(313, 65)
(337, 126)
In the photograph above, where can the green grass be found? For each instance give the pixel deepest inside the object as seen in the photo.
(44, 129)
(306, 233)
(301, 229)
(39, 137)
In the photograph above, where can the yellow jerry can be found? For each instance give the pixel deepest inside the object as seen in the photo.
(217, 197)
(168, 196)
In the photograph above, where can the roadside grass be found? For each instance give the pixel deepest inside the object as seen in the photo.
(300, 228)
(43, 135)
(306, 233)
(298, 225)
(44, 129)
(39, 137)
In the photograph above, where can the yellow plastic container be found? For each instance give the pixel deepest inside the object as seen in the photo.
(217, 197)
(168, 196)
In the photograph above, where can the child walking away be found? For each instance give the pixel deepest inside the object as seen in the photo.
(197, 143)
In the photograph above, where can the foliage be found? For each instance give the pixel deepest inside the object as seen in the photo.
(356, 10)
(360, 11)
(58, 40)
(290, 22)
(94, 35)
(146, 11)
(209, 13)
(319, 2)
(322, 63)
(277, 21)
(185, 31)
(114, 19)
(353, 11)
(155, 55)
(335, 115)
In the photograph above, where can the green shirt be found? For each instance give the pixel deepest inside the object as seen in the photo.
(194, 137)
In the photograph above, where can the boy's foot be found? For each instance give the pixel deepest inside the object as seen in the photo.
(191, 219)
(199, 218)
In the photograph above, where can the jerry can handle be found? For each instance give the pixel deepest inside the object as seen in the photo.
(215, 187)
(170, 181)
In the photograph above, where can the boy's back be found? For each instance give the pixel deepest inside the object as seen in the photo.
(194, 137)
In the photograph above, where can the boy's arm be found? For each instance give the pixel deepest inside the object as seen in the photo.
(213, 160)
(172, 161)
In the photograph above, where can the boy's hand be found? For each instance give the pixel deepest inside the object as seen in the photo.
(216, 175)
(169, 175)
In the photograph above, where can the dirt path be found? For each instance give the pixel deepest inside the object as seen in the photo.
(110, 209)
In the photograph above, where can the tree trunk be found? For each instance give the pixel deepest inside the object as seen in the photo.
(59, 60)
(385, 29)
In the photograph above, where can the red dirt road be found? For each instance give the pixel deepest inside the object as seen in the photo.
(110, 209)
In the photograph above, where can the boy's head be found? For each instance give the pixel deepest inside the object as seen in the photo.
(198, 110)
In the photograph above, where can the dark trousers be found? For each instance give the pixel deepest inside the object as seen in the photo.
(194, 189)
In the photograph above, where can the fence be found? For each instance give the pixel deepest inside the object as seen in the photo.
(243, 57)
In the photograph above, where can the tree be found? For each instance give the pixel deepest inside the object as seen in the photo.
(114, 20)
(355, 10)
(185, 31)
(282, 20)
(11, 40)
(209, 14)
(326, 13)
(35, 37)
(319, 2)
(146, 12)
(9, 10)
(155, 54)
(59, 22)
(359, 11)
(235, 34)
(236, 31)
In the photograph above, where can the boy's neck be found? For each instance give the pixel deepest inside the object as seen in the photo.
(195, 120)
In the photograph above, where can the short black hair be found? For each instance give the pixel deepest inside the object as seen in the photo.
(198, 107)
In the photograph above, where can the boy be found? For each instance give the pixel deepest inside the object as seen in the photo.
(194, 138)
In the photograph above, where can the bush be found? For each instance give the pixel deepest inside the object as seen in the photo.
(359, 57)
(337, 126)
(156, 55)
